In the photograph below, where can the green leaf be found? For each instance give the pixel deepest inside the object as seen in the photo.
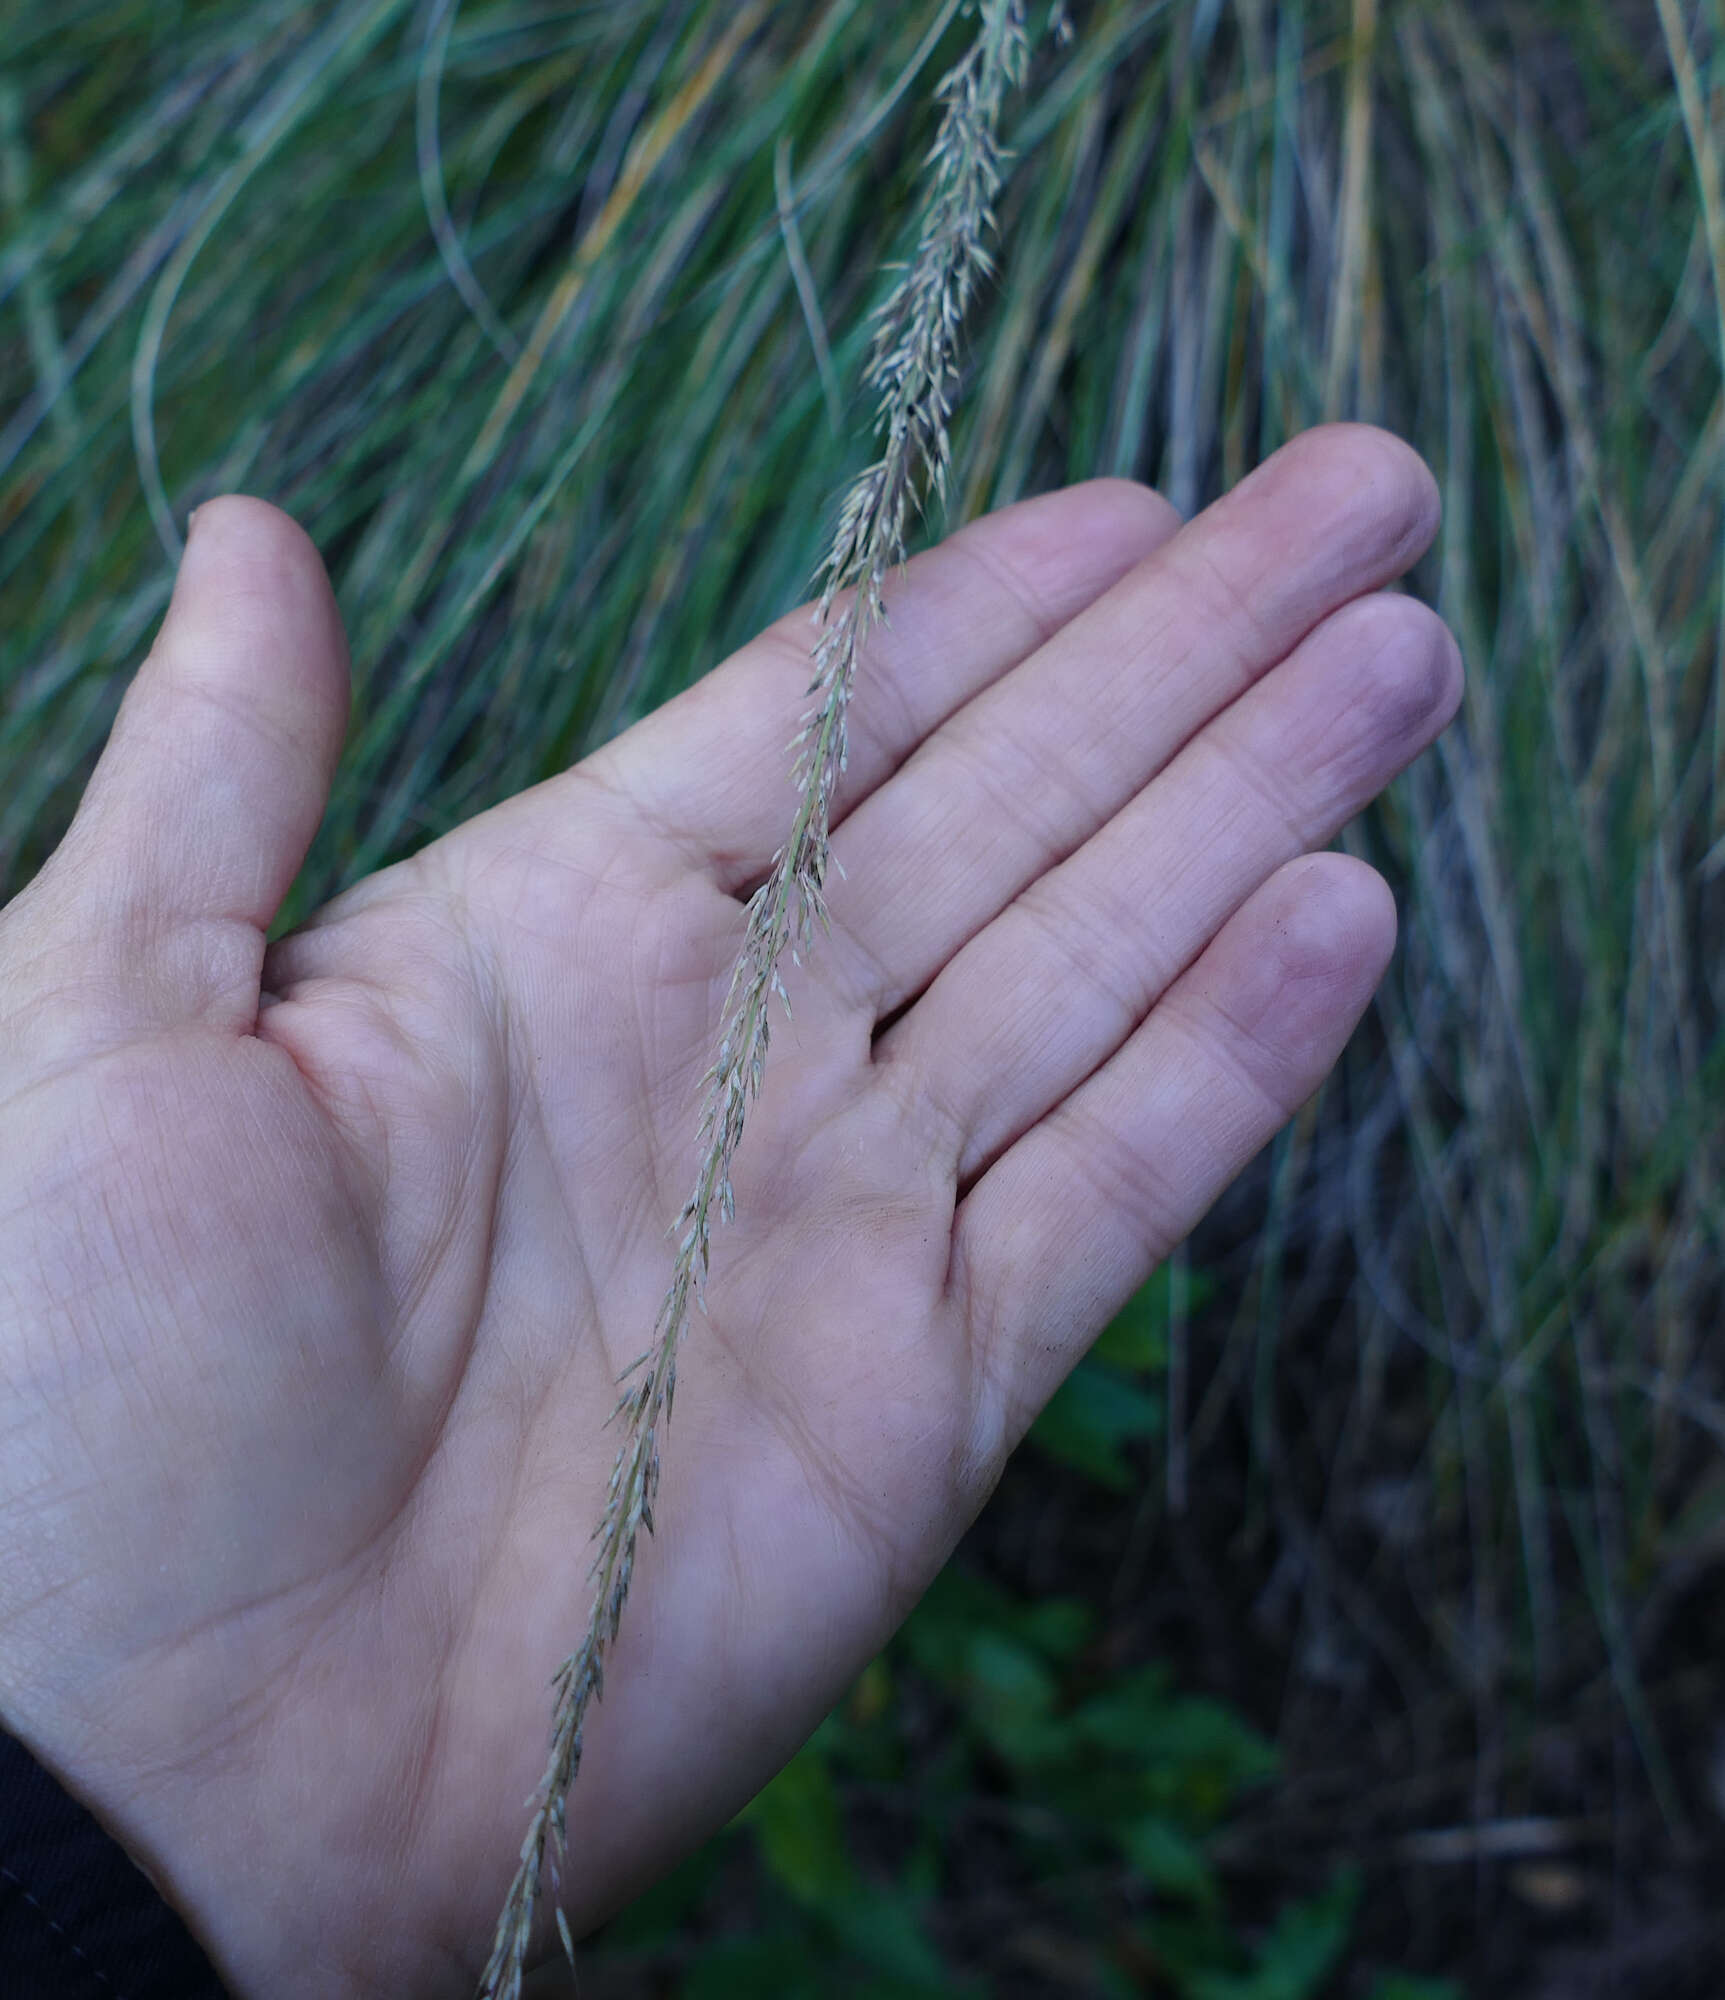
(781, 1963)
(1057, 1627)
(938, 1633)
(1012, 1699)
(883, 1929)
(959, 1604)
(1136, 1339)
(1169, 1859)
(1303, 1949)
(1095, 1412)
(1201, 1753)
(1136, 1342)
(797, 1823)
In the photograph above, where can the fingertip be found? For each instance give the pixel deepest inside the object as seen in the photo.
(1373, 475)
(1332, 924)
(1399, 669)
(1129, 507)
(1294, 969)
(244, 557)
(239, 520)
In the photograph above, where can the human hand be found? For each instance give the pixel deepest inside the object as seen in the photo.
(319, 1262)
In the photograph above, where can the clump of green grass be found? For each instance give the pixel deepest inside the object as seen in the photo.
(532, 312)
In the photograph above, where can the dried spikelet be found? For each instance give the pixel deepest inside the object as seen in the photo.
(913, 368)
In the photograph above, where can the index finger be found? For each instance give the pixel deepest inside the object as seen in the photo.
(711, 770)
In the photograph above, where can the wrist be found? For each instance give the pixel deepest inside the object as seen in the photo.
(78, 1915)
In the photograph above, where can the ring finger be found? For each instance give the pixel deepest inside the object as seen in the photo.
(1044, 995)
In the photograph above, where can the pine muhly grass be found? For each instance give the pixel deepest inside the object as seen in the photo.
(1483, 1269)
(913, 368)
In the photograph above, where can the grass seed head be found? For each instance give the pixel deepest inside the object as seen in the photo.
(914, 368)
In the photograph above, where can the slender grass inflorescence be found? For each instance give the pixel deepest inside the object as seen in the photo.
(913, 367)
(1518, 1172)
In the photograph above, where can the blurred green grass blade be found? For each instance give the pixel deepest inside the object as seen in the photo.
(306, 249)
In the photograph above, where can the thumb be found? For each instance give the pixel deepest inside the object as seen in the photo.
(212, 784)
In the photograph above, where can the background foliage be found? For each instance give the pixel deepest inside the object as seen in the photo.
(544, 319)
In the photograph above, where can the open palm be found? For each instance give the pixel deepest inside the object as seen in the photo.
(320, 1261)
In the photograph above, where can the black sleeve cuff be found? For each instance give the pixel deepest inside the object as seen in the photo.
(79, 1920)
